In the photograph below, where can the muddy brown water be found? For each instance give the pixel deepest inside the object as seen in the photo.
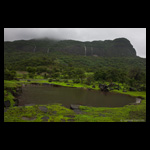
(42, 95)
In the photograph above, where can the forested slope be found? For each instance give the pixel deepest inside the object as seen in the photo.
(120, 47)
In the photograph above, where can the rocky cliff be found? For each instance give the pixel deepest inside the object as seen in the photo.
(108, 48)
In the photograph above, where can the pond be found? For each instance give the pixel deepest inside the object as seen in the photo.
(42, 95)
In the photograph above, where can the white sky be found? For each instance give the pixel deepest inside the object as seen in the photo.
(137, 36)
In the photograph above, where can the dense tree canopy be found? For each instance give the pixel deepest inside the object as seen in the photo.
(9, 75)
(54, 64)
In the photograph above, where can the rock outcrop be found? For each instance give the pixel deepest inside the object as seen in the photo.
(103, 87)
(76, 108)
(120, 47)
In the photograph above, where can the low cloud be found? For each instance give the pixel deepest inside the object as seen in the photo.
(137, 36)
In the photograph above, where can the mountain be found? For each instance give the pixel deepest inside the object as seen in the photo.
(120, 47)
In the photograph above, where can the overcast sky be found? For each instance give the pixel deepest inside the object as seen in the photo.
(137, 36)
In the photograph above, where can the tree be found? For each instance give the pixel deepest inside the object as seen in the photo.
(55, 75)
(89, 80)
(9, 75)
(135, 73)
(45, 76)
(31, 69)
(41, 69)
(79, 73)
(31, 75)
(132, 82)
(69, 73)
(100, 75)
(122, 76)
(113, 74)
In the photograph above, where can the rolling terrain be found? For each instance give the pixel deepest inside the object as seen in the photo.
(120, 47)
(88, 65)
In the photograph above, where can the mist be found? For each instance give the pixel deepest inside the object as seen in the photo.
(137, 36)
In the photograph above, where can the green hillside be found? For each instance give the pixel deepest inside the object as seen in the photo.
(21, 60)
(120, 47)
(110, 66)
(118, 53)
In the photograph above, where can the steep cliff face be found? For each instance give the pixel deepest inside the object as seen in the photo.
(108, 48)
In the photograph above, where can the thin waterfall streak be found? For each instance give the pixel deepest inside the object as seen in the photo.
(34, 48)
(92, 50)
(85, 50)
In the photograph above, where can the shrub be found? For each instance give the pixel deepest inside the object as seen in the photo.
(31, 75)
(50, 80)
(76, 81)
(89, 80)
(66, 81)
(9, 75)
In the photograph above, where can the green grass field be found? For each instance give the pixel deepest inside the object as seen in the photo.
(58, 113)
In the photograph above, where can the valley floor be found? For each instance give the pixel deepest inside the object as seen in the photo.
(59, 113)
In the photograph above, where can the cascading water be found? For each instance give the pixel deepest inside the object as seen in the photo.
(34, 48)
(85, 50)
(48, 50)
(92, 51)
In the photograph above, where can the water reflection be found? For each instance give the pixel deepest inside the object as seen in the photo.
(49, 94)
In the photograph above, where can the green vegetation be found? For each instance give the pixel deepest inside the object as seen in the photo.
(133, 113)
(120, 47)
(52, 113)
(58, 113)
(63, 63)
(11, 89)
(9, 75)
(10, 97)
(21, 60)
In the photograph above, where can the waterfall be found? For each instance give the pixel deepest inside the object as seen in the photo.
(92, 51)
(34, 48)
(48, 50)
(85, 50)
